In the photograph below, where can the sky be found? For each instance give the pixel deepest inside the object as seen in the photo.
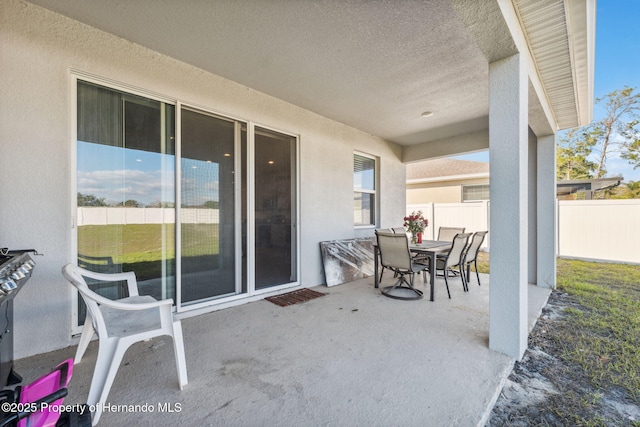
(617, 64)
(617, 61)
(118, 175)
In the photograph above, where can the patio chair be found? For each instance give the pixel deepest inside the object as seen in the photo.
(455, 258)
(119, 324)
(395, 255)
(387, 230)
(448, 233)
(391, 230)
(471, 254)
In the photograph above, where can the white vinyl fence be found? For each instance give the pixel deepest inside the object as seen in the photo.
(607, 230)
(599, 229)
(474, 216)
(107, 216)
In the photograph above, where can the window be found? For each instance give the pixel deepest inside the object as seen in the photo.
(472, 193)
(364, 190)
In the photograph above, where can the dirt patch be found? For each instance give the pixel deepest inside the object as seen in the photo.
(546, 390)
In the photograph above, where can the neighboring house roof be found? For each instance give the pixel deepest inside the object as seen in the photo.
(572, 186)
(445, 170)
(436, 170)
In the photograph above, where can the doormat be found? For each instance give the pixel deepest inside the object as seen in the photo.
(295, 297)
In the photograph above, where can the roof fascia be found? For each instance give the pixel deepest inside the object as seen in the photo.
(449, 178)
(515, 27)
(581, 22)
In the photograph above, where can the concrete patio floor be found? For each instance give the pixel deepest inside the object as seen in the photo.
(350, 358)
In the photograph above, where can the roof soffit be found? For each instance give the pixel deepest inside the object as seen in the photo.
(558, 37)
(497, 31)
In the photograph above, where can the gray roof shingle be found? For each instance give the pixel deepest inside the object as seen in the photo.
(444, 167)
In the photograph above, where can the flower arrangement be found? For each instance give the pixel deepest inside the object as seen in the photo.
(415, 223)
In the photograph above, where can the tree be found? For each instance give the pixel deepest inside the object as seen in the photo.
(629, 190)
(617, 131)
(129, 204)
(90, 200)
(582, 153)
(572, 155)
(632, 148)
(634, 189)
(160, 204)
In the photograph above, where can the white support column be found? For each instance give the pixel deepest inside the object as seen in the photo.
(508, 148)
(546, 263)
(532, 220)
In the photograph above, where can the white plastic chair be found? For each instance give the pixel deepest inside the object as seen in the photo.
(119, 324)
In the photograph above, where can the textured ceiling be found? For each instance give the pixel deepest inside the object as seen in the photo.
(374, 65)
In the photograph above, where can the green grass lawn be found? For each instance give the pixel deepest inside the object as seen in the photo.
(602, 333)
(134, 243)
(604, 336)
(140, 247)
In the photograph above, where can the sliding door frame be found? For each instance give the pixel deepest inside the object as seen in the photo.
(249, 167)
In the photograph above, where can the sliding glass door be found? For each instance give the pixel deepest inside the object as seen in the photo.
(201, 211)
(125, 189)
(275, 208)
(208, 207)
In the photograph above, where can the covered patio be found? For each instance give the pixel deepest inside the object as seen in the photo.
(316, 88)
(351, 357)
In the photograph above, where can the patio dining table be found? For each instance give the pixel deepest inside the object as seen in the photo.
(429, 248)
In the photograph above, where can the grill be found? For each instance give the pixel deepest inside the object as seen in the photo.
(15, 271)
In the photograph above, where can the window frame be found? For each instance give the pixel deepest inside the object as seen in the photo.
(465, 186)
(375, 191)
(193, 308)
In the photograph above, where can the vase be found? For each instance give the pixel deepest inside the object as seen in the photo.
(419, 237)
(414, 238)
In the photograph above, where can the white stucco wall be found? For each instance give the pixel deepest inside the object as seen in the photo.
(38, 51)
